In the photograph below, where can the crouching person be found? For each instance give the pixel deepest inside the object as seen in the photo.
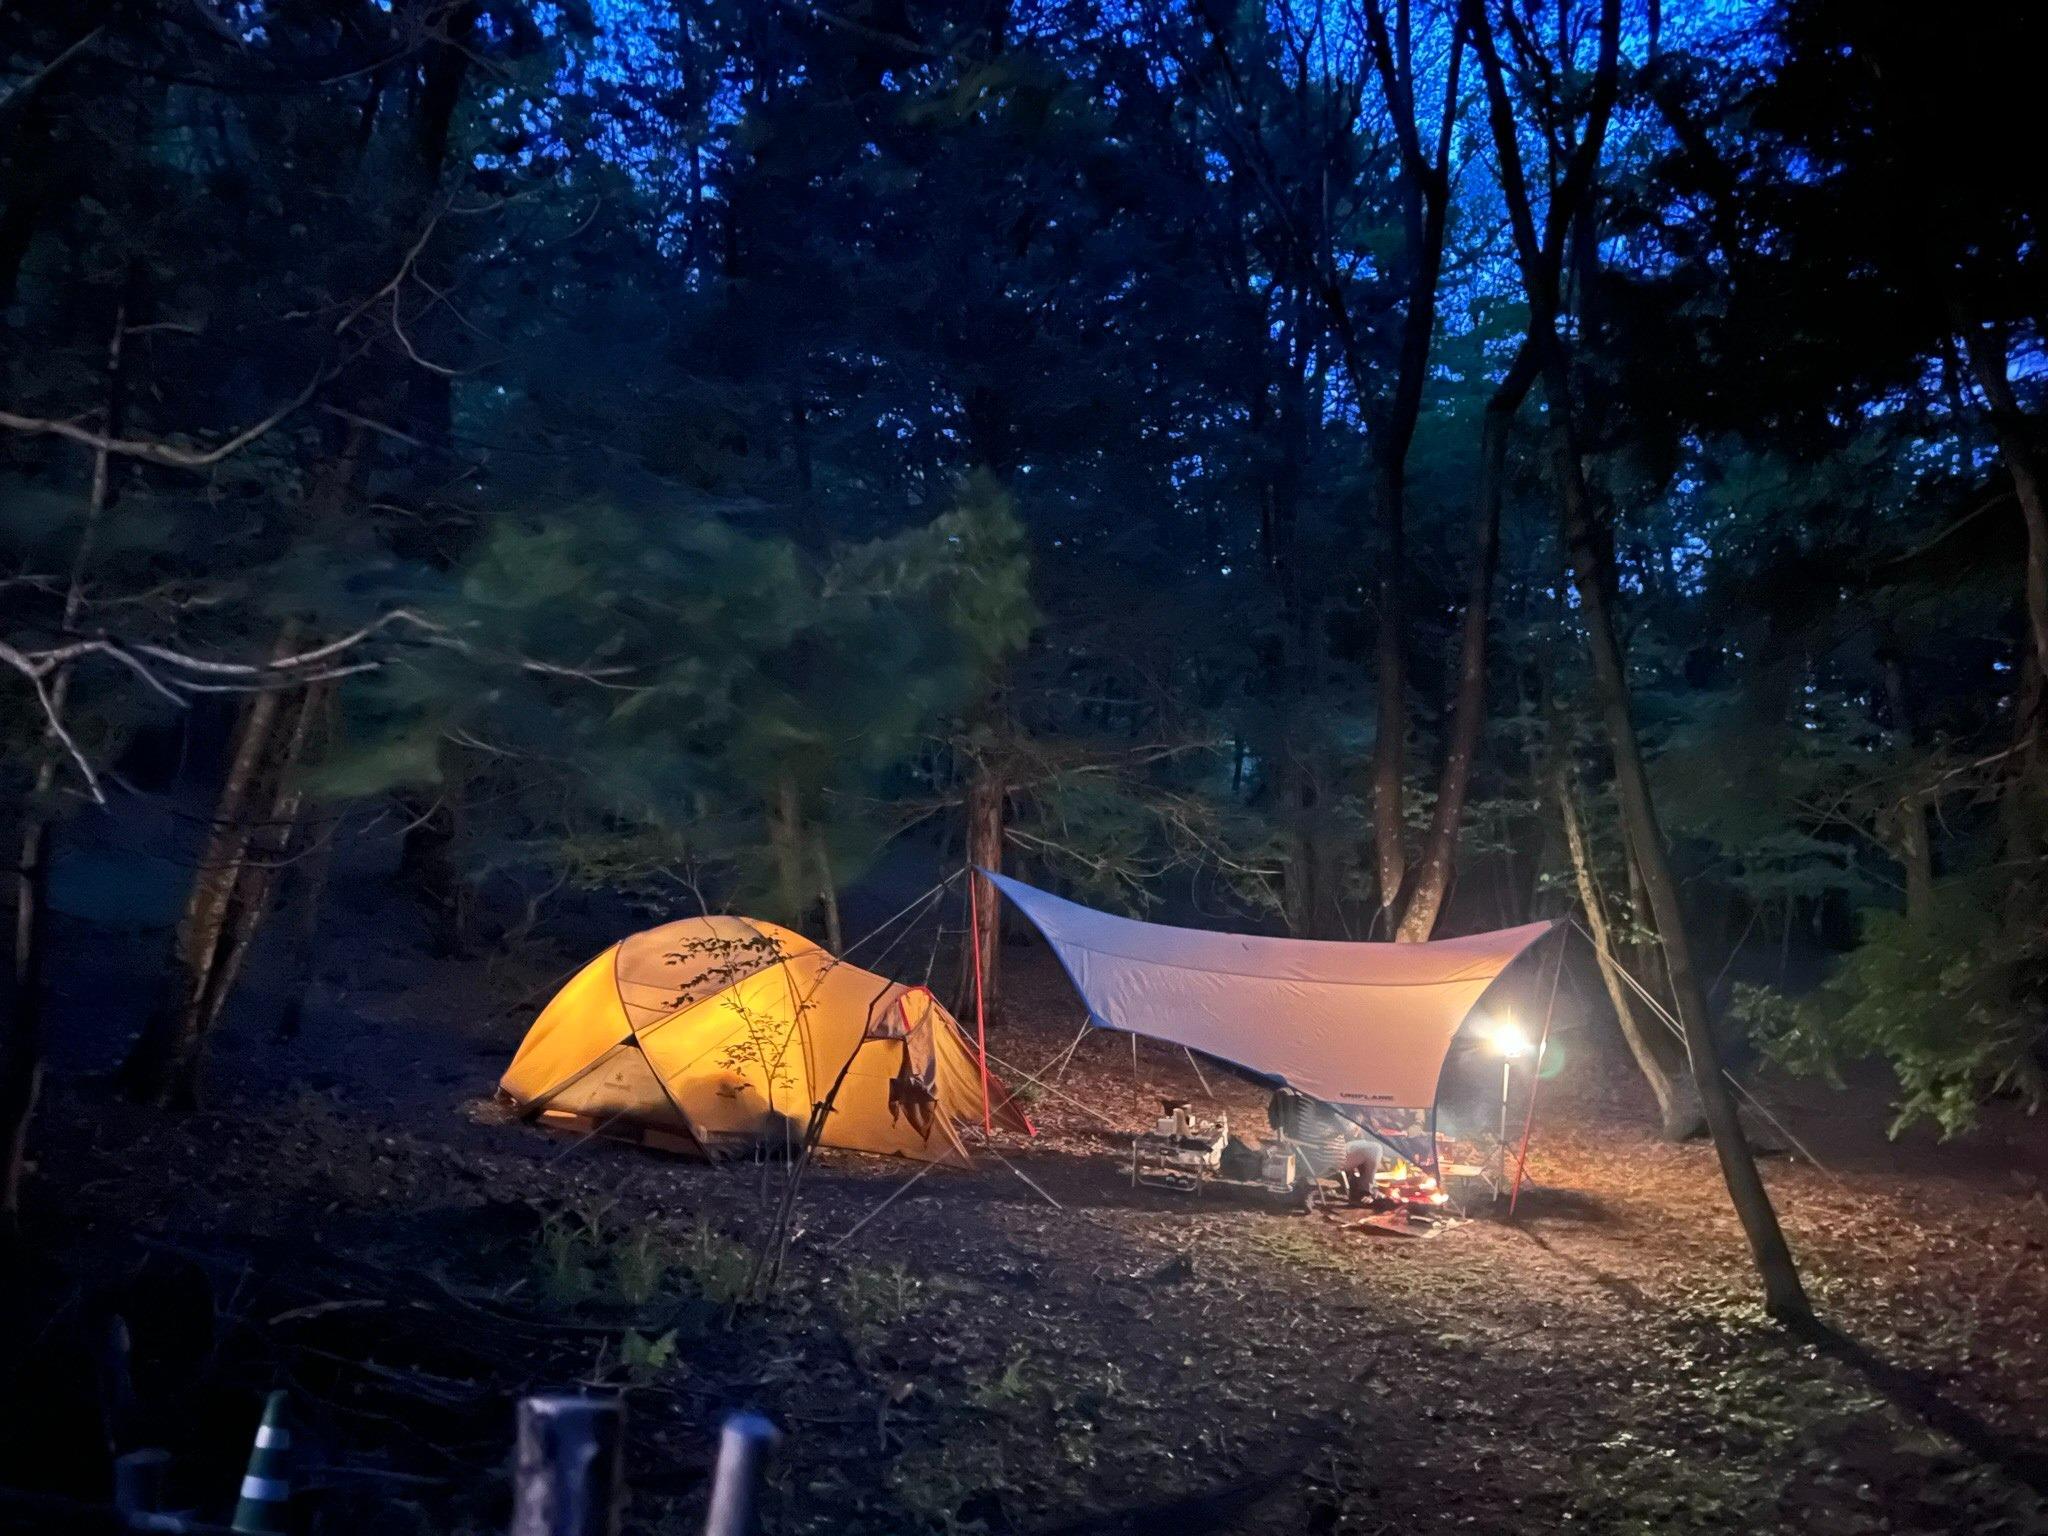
(1361, 1168)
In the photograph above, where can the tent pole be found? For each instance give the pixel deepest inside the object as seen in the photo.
(871, 1215)
(988, 1127)
(1136, 1099)
(1507, 1078)
(1060, 1058)
(1536, 1075)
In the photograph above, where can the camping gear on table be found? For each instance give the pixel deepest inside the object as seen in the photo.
(1184, 1152)
(1363, 1027)
(718, 1035)
(1179, 1152)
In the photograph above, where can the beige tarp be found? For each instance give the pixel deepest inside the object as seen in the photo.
(1359, 1024)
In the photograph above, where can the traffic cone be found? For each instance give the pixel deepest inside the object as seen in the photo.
(267, 1488)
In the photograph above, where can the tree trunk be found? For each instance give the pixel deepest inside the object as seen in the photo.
(1912, 841)
(1678, 1105)
(1424, 190)
(262, 858)
(1986, 351)
(1295, 746)
(306, 860)
(1389, 753)
(1309, 891)
(304, 904)
(1784, 1296)
(986, 795)
(2023, 789)
(809, 520)
(21, 1055)
(793, 885)
(1432, 876)
(21, 1050)
(428, 863)
(445, 70)
(1911, 847)
(158, 1069)
(1645, 953)
(27, 196)
(828, 895)
(213, 935)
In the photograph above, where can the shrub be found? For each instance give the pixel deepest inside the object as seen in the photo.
(1953, 1002)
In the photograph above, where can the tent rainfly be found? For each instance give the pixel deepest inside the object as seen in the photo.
(1363, 1027)
(716, 1035)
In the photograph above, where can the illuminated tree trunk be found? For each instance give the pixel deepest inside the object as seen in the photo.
(163, 1066)
(1784, 1296)
(986, 795)
(1678, 1106)
(262, 859)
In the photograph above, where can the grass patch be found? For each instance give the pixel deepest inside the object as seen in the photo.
(583, 1258)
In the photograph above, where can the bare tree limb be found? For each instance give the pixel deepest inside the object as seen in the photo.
(28, 87)
(168, 455)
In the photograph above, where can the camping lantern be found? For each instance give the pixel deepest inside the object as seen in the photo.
(1511, 1042)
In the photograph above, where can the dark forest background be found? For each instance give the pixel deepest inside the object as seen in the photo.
(1360, 468)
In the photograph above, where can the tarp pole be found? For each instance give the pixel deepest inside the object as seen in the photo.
(1536, 1077)
(988, 1127)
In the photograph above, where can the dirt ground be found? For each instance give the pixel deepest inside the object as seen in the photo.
(1032, 1346)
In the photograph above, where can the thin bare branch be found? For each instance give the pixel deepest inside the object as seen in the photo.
(167, 455)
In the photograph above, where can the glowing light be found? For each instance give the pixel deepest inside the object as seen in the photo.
(1509, 1040)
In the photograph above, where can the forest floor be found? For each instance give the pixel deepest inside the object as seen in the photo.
(995, 1354)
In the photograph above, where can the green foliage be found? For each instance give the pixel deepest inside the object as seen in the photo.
(639, 1266)
(870, 1302)
(566, 1257)
(1953, 1002)
(582, 1258)
(1009, 1389)
(716, 1266)
(649, 688)
(643, 1360)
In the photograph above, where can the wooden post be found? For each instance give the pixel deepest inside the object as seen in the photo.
(566, 1472)
(743, 1447)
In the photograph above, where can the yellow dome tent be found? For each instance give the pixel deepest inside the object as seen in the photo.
(718, 1034)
